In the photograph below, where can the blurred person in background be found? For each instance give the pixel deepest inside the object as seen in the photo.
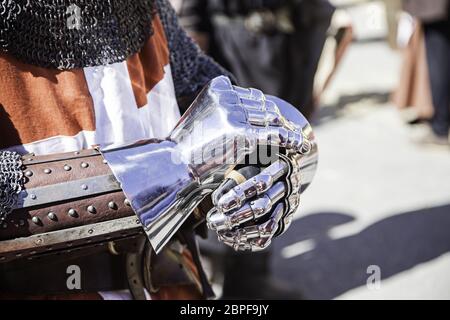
(434, 16)
(413, 94)
(274, 45)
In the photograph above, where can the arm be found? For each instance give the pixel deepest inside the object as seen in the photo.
(59, 200)
(165, 180)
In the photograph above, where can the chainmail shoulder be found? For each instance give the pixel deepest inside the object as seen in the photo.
(67, 34)
(11, 181)
(191, 67)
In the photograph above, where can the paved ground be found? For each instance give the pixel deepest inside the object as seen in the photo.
(377, 199)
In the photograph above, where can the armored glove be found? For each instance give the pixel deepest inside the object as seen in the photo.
(216, 147)
(166, 180)
(251, 208)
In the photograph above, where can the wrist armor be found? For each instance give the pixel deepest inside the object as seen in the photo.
(165, 180)
(66, 200)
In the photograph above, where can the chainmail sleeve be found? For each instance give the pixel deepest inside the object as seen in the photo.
(191, 67)
(11, 182)
(68, 34)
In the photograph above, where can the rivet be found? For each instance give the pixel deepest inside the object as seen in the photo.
(76, 153)
(91, 209)
(47, 171)
(306, 147)
(127, 202)
(72, 213)
(90, 231)
(28, 173)
(105, 161)
(52, 216)
(84, 165)
(112, 205)
(38, 241)
(84, 187)
(67, 167)
(33, 196)
(36, 220)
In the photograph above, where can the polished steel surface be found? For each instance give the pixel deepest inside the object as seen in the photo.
(67, 190)
(166, 179)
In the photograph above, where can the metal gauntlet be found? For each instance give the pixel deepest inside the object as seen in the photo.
(214, 147)
(165, 180)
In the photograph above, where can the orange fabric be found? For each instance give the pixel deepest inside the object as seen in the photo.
(187, 255)
(146, 68)
(178, 293)
(38, 103)
(186, 292)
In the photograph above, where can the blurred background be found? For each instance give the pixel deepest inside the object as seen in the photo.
(374, 79)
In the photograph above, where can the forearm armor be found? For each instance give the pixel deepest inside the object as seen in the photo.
(92, 194)
(49, 193)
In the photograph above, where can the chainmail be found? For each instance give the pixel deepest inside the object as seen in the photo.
(191, 68)
(11, 181)
(109, 31)
(68, 34)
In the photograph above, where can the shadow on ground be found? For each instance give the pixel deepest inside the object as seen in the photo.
(330, 112)
(333, 267)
